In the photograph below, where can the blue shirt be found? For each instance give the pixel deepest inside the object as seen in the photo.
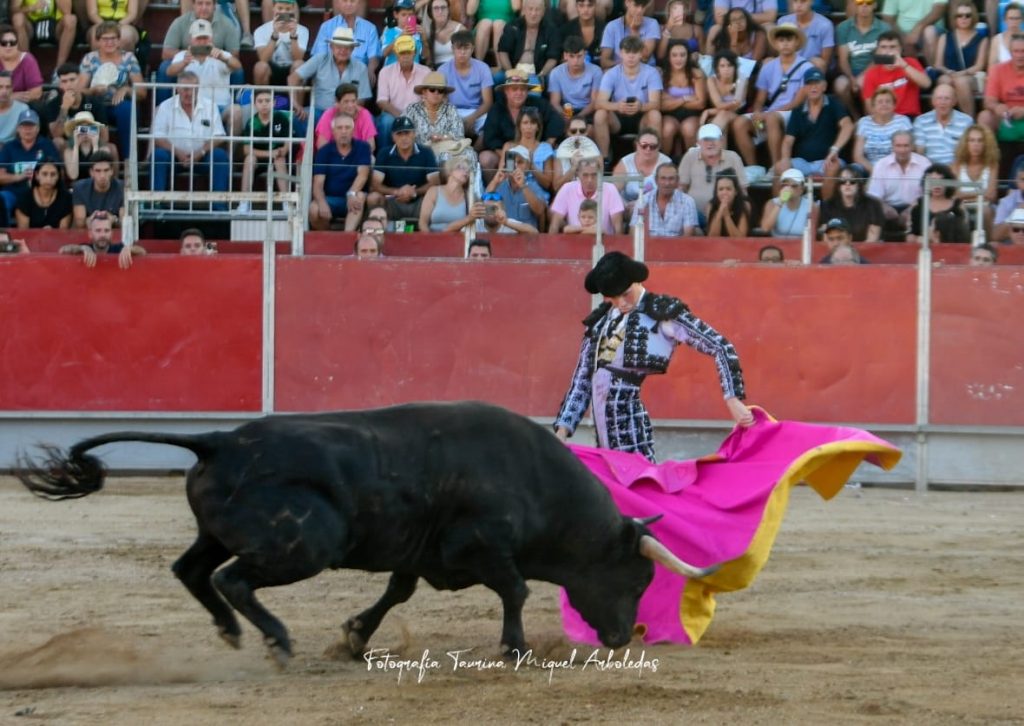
(615, 31)
(16, 158)
(576, 91)
(340, 171)
(390, 35)
(619, 87)
(398, 171)
(364, 31)
(467, 93)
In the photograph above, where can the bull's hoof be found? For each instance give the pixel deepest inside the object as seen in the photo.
(232, 639)
(356, 642)
(278, 653)
(512, 653)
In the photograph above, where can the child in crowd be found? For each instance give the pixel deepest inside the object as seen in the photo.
(588, 219)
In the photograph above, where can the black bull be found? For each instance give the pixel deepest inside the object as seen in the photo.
(459, 494)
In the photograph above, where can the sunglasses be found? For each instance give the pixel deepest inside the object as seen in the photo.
(8, 43)
(964, 15)
(577, 131)
(435, 90)
(846, 182)
(647, 145)
(1017, 230)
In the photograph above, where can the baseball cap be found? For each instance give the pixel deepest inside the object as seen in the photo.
(201, 28)
(709, 131)
(405, 5)
(837, 223)
(405, 44)
(28, 116)
(520, 151)
(814, 75)
(403, 123)
(793, 175)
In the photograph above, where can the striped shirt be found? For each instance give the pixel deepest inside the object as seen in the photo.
(680, 213)
(936, 141)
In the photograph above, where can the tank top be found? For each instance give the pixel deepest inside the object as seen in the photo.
(445, 212)
(791, 223)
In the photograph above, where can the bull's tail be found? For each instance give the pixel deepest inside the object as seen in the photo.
(77, 474)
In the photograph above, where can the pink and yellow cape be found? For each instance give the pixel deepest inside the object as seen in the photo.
(723, 508)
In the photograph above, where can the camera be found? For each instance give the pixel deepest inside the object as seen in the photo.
(200, 50)
(412, 23)
(490, 209)
(883, 60)
(510, 163)
(285, 17)
(9, 248)
(88, 129)
(631, 99)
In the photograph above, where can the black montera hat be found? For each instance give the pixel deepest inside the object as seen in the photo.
(614, 273)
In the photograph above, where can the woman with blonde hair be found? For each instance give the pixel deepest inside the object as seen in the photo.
(446, 206)
(976, 160)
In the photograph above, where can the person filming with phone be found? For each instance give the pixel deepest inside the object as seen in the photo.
(905, 76)
(519, 192)
(84, 145)
(280, 45)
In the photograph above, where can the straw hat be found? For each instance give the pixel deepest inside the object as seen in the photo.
(82, 118)
(788, 29)
(433, 80)
(344, 37)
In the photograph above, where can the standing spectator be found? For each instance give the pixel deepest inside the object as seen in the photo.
(683, 99)
(187, 131)
(67, 103)
(728, 212)
(213, 67)
(280, 45)
(1004, 95)
(531, 38)
(984, 256)
(84, 145)
(193, 242)
(345, 101)
(567, 202)
(575, 81)
(916, 20)
(446, 207)
(19, 158)
(44, 20)
(440, 29)
(226, 35)
(874, 131)
(26, 79)
(341, 175)
(269, 144)
(396, 85)
(473, 93)
(818, 32)
(630, 96)
(634, 24)
(328, 71)
(668, 212)
(788, 214)
(846, 200)
(856, 40)
(937, 132)
(770, 254)
(961, 54)
(110, 76)
(521, 196)
(47, 203)
(479, 249)
(817, 131)
(406, 27)
(403, 172)
(727, 91)
(701, 165)
(436, 119)
(346, 15)
(904, 76)
(491, 18)
(588, 28)
(101, 192)
(501, 126)
(10, 110)
(124, 15)
(101, 242)
(896, 178)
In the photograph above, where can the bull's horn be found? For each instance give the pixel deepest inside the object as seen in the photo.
(655, 550)
(648, 520)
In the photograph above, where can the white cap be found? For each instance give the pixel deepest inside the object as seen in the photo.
(709, 131)
(1017, 217)
(520, 151)
(793, 175)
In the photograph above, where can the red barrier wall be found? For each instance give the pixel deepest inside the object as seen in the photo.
(171, 334)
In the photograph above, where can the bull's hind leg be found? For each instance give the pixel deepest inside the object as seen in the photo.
(194, 569)
(359, 629)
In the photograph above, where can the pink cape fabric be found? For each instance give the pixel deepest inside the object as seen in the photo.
(715, 507)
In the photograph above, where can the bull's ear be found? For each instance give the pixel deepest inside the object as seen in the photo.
(648, 520)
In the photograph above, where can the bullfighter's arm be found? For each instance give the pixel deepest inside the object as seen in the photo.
(688, 328)
(577, 398)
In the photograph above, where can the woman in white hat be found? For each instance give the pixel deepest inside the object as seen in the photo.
(788, 214)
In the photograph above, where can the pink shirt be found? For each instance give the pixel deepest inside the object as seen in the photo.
(365, 130)
(393, 87)
(895, 185)
(567, 203)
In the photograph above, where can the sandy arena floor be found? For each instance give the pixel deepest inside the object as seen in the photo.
(879, 607)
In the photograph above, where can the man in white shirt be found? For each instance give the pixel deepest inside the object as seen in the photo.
(280, 45)
(213, 67)
(187, 129)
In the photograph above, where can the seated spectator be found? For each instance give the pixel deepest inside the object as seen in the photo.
(521, 196)
(739, 32)
(500, 128)
(588, 219)
(629, 98)
(943, 202)
(977, 161)
(573, 84)
(728, 212)
(961, 54)
(101, 192)
(474, 87)
(237, 11)
(816, 131)
(668, 211)
(683, 100)
(586, 26)
(643, 162)
(446, 207)
(10, 110)
(818, 30)
(896, 179)
(187, 132)
(491, 218)
(727, 91)
(770, 254)
(565, 208)
(679, 26)
(372, 226)
(874, 131)
(341, 176)
(1015, 227)
(937, 132)
(437, 120)
(274, 149)
(9, 246)
(856, 41)
(44, 21)
(84, 145)
(529, 142)
(1004, 96)
(577, 146)
(213, 67)
(779, 90)
(847, 201)
(193, 242)
(905, 76)
(440, 27)
(101, 243)
(26, 78)
(280, 45)
(479, 249)
(396, 85)
(788, 214)
(700, 166)
(363, 33)
(124, 15)
(916, 21)
(999, 48)
(377, 213)
(406, 27)
(634, 24)
(491, 18)
(531, 38)
(47, 203)
(984, 256)
(328, 71)
(345, 101)
(1008, 205)
(19, 157)
(403, 172)
(368, 247)
(226, 35)
(109, 76)
(67, 103)
(764, 12)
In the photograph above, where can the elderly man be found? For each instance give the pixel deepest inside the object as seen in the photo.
(226, 35)
(187, 131)
(532, 38)
(328, 71)
(1006, 210)
(346, 15)
(816, 131)
(937, 132)
(101, 242)
(101, 192)
(566, 207)
(368, 247)
(396, 85)
(1004, 95)
(18, 158)
(213, 67)
(280, 44)
(896, 178)
(341, 175)
(474, 86)
(701, 165)
(669, 212)
(403, 173)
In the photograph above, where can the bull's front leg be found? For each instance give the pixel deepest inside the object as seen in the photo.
(512, 590)
(360, 628)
